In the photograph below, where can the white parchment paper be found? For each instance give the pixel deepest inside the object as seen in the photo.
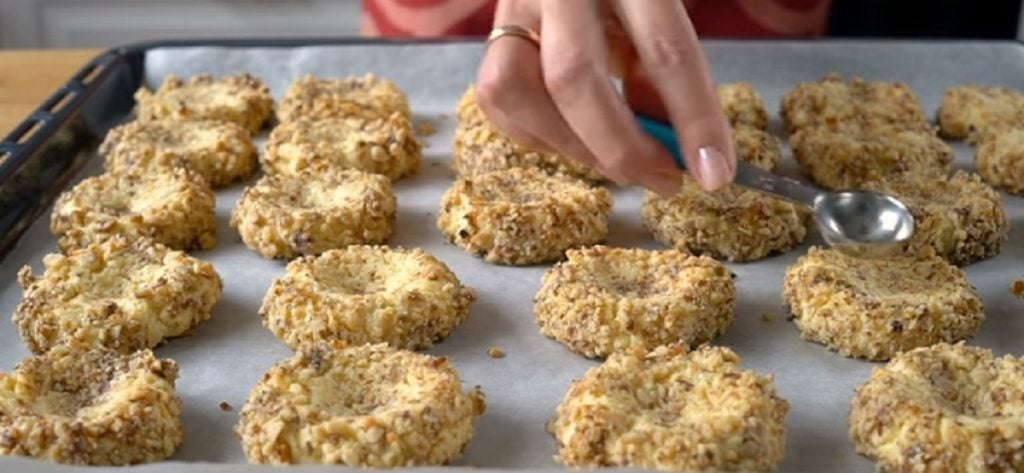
(227, 355)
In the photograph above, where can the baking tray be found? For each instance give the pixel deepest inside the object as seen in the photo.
(226, 356)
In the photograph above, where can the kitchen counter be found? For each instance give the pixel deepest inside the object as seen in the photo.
(29, 76)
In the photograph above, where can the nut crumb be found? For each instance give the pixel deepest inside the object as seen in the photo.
(224, 406)
(769, 318)
(1018, 288)
(495, 352)
(425, 128)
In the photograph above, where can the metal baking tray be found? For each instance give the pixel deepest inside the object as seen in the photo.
(223, 359)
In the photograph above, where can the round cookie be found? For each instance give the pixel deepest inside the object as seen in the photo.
(877, 308)
(968, 109)
(366, 406)
(673, 411)
(833, 102)
(733, 223)
(1000, 158)
(960, 218)
(757, 147)
(467, 110)
(219, 151)
(366, 294)
(523, 216)
(385, 146)
(241, 99)
(175, 209)
(850, 158)
(607, 300)
(481, 148)
(285, 216)
(117, 294)
(742, 105)
(91, 407)
(364, 96)
(942, 408)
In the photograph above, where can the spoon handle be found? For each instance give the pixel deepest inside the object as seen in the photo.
(747, 174)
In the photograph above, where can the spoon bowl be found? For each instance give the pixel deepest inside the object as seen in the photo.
(862, 217)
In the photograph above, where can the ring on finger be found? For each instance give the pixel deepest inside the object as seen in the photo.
(516, 31)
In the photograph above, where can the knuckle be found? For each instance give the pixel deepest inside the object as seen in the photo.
(669, 50)
(564, 76)
(491, 92)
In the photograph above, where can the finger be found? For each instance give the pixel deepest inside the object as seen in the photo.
(508, 127)
(511, 90)
(674, 63)
(497, 88)
(576, 73)
(511, 93)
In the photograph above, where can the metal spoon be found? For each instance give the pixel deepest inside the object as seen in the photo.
(858, 222)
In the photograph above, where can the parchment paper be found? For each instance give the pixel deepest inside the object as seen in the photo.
(227, 355)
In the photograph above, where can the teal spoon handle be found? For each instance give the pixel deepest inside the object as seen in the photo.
(665, 135)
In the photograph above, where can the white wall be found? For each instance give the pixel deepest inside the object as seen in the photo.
(106, 23)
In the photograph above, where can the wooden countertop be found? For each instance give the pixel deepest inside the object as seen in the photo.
(27, 77)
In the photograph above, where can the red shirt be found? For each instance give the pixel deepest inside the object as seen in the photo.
(711, 18)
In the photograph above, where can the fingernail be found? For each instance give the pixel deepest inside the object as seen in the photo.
(666, 185)
(713, 169)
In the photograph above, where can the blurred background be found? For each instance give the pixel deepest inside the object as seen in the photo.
(105, 23)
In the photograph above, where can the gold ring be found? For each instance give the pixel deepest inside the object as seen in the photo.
(514, 30)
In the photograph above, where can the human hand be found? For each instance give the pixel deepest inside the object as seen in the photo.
(561, 98)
